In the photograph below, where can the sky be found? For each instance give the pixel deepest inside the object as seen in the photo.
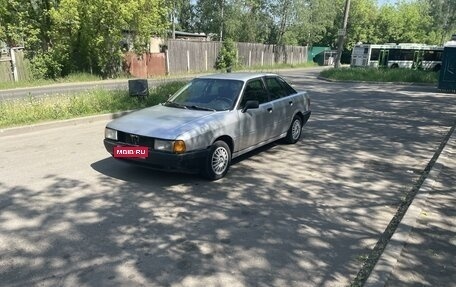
(381, 2)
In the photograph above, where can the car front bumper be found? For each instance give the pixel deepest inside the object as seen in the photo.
(192, 161)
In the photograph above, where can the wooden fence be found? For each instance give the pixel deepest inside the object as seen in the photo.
(197, 56)
(185, 56)
(182, 56)
(7, 73)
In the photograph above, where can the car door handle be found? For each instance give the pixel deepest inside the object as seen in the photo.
(270, 110)
(290, 103)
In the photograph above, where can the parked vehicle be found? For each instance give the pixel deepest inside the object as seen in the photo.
(403, 55)
(212, 120)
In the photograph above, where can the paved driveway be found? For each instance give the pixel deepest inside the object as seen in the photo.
(288, 215)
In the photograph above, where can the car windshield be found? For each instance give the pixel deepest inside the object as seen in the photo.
(207, 94)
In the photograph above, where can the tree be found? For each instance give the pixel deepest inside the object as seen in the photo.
(284, 11)
(255, 21)
(227, 55)
(313, 20)
(443, 15)
(405, 22)
(24, 24)
(362, 21)
(184, 14)
(209, 16)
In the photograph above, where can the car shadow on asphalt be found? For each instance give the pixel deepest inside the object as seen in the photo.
(139, 174)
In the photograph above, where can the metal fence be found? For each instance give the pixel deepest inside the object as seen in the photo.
(196, 56)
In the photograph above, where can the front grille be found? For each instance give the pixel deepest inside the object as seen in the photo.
(135, 139)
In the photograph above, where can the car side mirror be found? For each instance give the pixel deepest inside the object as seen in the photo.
(250, 105)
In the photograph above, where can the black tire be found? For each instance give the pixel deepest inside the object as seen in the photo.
(394, 66)
(437, 68)
(218, 161)
(295, 130)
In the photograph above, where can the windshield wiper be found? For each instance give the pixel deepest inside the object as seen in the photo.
(200, 108)
(175, 105)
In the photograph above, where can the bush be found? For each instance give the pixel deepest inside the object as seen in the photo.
(227, 56)
(381, 75)
(46, 66)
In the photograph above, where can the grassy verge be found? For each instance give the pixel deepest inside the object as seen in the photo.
(77, 77)
(85, 77)
(381, 75)
(34, 110)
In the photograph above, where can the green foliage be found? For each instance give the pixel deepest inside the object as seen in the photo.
(404, 23)
(64, 36)
(33, 110)
(381, 75)
(361, 26)
(227, 55)
(443, 15)
(184, 14)
(46, 66)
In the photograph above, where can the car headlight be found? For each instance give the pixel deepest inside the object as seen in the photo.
(110, 134)
(163, 145)
(170, 146)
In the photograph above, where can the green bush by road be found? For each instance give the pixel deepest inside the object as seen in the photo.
(381, 75)
(34, 110)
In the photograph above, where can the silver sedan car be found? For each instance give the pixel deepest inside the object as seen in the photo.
(210, 121)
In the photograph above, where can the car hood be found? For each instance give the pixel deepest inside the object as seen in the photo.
(160, 121)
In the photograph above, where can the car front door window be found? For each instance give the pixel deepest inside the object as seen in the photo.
(254, 91)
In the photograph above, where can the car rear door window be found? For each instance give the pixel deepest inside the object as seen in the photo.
(278, 88)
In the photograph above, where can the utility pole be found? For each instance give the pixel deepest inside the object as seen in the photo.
(173, 19)
(342, 32)
(221, 24)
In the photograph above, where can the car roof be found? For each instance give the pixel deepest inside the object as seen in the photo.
(240, 76)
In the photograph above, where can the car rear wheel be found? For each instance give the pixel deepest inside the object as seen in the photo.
(294, 132)
(218, 161)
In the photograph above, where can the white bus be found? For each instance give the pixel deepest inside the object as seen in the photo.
(391, 55)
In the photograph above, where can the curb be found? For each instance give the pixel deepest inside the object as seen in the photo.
(57, 124)
(392, 253)
(377, 83)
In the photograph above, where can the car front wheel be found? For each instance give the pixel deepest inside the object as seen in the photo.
(218, 161)
(294, 132)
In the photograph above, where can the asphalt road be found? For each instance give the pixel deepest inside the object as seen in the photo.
(287, 215)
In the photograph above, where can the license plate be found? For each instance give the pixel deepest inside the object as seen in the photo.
(131, 152)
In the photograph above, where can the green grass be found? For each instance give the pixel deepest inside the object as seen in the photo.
(76, 77)
(381, 75)
(86, 77)
(33, 110)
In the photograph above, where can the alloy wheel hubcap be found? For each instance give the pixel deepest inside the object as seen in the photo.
(219, 160)
(295, 130)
